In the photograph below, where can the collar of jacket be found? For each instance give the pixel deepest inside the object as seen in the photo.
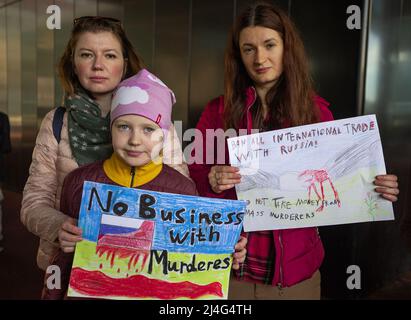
(251, 97)
(127, 176)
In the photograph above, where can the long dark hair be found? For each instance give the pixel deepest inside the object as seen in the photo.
(290, 101)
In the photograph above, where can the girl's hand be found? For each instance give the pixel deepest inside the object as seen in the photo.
(222, 178)
(69, 235)
(387, 186)
(240, 253)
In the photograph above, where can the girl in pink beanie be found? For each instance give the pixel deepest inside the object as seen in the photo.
(140, 120)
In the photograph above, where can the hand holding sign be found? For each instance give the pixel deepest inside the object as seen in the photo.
(68, 235)
(222, 178)
(387, 185)
(240, 253)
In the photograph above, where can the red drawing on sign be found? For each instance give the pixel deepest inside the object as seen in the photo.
(315, 177)
(98, 284)
(131, 245)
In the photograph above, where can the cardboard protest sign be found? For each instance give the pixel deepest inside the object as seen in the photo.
(311, 175)
(142, 244)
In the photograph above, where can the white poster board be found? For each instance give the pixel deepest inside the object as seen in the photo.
(313, 175)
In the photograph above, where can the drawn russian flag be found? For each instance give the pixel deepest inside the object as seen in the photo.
(126, 232)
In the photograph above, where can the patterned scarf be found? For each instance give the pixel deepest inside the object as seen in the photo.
(89, 133)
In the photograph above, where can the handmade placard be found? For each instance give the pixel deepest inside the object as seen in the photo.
(140, 244)
(313, 175)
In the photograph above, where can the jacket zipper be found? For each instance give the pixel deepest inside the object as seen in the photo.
(132, 173)
(280, 284)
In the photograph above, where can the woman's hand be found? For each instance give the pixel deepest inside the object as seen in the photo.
(240, 253)
(222, 178)
(387, 186)
(69, 235)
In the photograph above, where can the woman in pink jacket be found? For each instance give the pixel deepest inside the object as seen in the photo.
(267, 87)
(97, 57)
